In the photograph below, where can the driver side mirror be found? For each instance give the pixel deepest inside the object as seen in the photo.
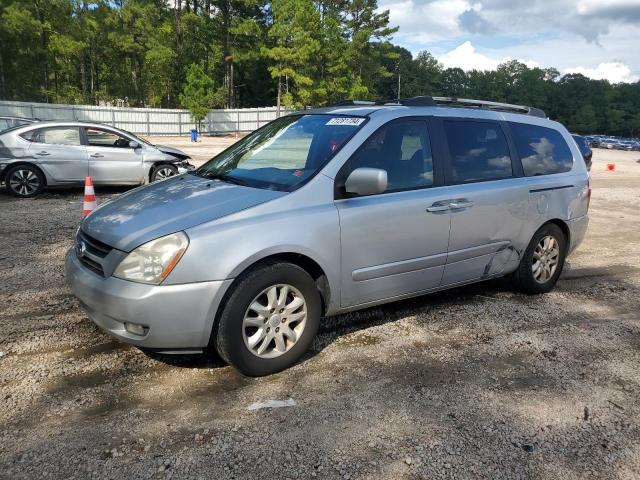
(134, 144)
(366, 181)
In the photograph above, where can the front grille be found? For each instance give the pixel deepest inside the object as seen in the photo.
(91, 265)
(94, 252)
(95, 247)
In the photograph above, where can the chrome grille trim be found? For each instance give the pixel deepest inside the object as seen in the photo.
(94, 252)
(94, 246)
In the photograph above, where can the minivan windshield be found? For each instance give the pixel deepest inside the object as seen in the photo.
(285, 153)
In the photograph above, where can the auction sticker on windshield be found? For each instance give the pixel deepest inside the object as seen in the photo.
(351, 121)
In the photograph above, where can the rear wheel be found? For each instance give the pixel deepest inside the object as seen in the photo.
(163, 171)
(24, 181)
(270, 319)
(543, 260)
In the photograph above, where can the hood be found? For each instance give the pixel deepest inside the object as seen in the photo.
(161, 208)
(172, 151)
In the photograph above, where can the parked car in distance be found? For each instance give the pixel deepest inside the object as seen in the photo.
(10, 122)
(64, 153)
(585, 150)
(328, 211)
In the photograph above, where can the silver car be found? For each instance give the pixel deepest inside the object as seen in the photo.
(64, 153)
(328, 211)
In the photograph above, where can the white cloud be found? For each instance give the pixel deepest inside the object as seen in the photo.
(467, 58)
(615, 72)
(425, 22)
(565, 34)
(586, 7)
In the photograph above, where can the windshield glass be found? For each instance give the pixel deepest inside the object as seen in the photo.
(137, 138)
(285, 153)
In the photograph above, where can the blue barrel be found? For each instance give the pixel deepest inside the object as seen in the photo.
(194, 135)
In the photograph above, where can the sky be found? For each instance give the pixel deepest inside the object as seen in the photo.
(597, 38)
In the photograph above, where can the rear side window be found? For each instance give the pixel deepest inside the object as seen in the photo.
(479, 151)
(56, 136)
(542, 150)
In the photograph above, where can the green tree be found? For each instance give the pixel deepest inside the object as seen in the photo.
(197, 93)
(295, 45)
(261, 52)
(585, 119)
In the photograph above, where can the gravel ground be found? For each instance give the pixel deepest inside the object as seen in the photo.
(478, 382)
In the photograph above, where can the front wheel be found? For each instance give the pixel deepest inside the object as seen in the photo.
(542, 262)
(270, 319)
(163, 171)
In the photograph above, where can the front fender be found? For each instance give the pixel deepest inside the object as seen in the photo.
(225, 248)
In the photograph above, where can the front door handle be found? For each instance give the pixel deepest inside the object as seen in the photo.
(460, 203)
(442, 206)
(97, 155)
(43, 153)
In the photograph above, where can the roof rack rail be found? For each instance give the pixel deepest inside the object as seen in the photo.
(344, 103)
(485, 104)
(428, 101)
(422, 101)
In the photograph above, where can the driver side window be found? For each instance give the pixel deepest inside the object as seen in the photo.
(103, 138)
(402, 148)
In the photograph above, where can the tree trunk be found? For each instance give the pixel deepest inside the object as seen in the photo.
(279, 95)
(179, 60)
(228, 58)
(44, 57)
(83, 77)
(3, 92)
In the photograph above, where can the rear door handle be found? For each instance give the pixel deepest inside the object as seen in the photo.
(460, 203)
(97, 155)
(43, 153)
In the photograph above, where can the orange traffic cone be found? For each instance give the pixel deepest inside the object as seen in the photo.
(611, 167)
(89, 197)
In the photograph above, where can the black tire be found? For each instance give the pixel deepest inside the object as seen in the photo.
(24, 181)
(229, 340)
(163, 171)
(523, 278)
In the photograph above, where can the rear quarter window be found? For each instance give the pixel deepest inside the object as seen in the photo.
(542, 151)
(479, 151)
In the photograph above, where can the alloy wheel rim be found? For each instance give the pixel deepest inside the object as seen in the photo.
(24, 182)
(545, 259)
(274, 321)
(163, 173)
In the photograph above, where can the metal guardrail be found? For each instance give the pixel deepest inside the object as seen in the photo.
(146, 121)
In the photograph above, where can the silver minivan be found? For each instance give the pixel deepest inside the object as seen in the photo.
(327, 211)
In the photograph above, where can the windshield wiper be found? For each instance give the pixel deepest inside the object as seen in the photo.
(224, 178)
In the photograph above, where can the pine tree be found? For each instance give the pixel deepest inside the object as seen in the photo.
(197, 93)
(295, 45)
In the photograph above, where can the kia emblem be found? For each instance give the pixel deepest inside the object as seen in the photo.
(81, 248)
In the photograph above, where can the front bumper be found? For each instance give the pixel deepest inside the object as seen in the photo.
(177, 316)
(185, 167)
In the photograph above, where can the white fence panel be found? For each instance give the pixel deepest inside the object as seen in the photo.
(147, 121)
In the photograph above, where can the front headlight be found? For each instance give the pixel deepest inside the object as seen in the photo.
(152, 262)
